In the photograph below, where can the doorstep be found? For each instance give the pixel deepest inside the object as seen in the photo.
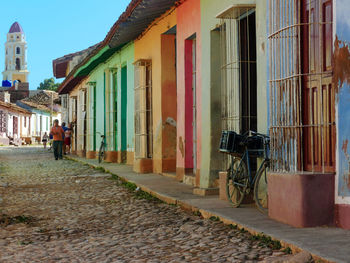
(328, 244)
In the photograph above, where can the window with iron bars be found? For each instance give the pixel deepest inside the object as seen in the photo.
(238, 69)
(3, 122)
(143, 109)
(302, 97)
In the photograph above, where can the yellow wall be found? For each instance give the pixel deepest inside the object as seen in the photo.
(21, 77)
(149, 47)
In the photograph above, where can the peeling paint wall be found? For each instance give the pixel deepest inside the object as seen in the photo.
(124, 57)
(188, 11)
(342, 80)
(159, 47)
(211, 159)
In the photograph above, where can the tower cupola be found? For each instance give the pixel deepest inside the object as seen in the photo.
(16, 55)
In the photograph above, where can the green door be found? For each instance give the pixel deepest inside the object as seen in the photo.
(123, 101)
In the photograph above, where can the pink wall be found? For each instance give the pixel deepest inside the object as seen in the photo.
(188, 24)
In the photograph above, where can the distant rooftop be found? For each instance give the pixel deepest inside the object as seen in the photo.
(16, 28)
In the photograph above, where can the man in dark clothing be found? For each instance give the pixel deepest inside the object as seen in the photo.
(57, 133)
(64, 129)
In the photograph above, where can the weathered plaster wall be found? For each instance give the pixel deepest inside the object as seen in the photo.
(342, 79)
(149, 46)
(211, 90)
(79, 122)
(98, 76)
(188, 11)
(125, 57)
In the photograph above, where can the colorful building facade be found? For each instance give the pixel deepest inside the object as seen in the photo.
(189, 92)
(233, 77)
(110, 107)
(155, 97)
(162, 94)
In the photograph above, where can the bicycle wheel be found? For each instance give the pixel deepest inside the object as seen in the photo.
(101, 153)
(236, 182)
(260, 188)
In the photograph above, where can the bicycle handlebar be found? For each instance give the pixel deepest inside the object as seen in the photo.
(102, 135)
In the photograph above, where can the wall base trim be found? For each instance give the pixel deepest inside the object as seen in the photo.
(91, 155)
(111, 156)
(143, 166)
(301, 200)
(342, 216)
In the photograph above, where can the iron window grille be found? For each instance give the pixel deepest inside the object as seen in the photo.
(301, 92)
(143, 109)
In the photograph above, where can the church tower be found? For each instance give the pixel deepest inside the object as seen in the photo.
(16, 55)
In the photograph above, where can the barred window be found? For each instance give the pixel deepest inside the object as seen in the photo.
(143, 109)
(302, 98)
(238, 68)
(3, 121)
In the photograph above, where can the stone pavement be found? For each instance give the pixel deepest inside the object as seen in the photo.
(324, 243)
(64, 211)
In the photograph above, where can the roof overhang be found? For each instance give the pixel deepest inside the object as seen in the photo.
(69, 84)
(134, 21)
(144, 13)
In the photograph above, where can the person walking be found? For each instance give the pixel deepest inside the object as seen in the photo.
(67, 139)
(45, 139)
(57, 133)
(64, 134)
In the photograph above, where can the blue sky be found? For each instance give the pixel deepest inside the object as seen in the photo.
(57, 27)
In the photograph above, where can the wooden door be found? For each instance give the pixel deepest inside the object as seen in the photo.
(318, 90)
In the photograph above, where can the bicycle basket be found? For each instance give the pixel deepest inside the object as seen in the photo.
(230, 142)
(255, 145)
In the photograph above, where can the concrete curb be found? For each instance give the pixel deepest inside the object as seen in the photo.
(204, 213)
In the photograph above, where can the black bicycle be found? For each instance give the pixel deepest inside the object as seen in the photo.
(101, 153)
(240, 179)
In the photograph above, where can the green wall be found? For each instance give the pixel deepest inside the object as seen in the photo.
(122, 64)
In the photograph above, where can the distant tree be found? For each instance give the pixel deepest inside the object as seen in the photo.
(49, 84)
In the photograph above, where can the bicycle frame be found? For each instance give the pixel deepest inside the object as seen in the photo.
(246, 158)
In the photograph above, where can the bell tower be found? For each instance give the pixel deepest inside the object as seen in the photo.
(16, 55)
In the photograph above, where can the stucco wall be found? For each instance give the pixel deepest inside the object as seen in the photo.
(125, 57)
(149, 47)
(211, 109)
(342, 77)
(188, 11)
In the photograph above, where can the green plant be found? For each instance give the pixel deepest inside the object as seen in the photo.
(287, 250)
(8, 220)
(24, 242)
(114, 178)
(242, 230)
(130, 186)
(144, 195)
(266, 241)
(214, 218)
(101, 169)
(233, 226)
(197, 213)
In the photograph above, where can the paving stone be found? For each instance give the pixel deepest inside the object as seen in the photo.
(77, 209)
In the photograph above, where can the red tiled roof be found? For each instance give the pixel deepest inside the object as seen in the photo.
(14, 107)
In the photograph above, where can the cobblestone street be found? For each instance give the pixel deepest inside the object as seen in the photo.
(63, 211)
